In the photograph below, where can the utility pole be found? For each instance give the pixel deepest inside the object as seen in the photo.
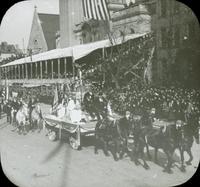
(23, 46)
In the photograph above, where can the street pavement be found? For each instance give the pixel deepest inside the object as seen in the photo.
(32, 160)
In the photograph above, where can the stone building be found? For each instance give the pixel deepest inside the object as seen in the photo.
(175, 26)
(177, 30)
(74, 29)
(43, 32)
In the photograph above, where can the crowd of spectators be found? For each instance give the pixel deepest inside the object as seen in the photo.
(170, 102)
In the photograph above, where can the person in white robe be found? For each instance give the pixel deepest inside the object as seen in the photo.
(61, 110)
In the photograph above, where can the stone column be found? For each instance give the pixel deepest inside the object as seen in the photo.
(58, 68)
(40, 69)
(52, 69)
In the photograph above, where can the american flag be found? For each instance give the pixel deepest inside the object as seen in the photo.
(96, 9)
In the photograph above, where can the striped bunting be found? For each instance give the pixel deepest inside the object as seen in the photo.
(96, 9)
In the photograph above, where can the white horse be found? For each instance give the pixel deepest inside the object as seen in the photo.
(36, 117)
(22, 118)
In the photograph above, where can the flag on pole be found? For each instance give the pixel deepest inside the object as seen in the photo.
(148, 69)
(96, 9)
(55, 100)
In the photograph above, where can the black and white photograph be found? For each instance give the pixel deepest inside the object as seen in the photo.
(102, 93)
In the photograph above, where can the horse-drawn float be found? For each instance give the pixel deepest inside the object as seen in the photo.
(74, 130)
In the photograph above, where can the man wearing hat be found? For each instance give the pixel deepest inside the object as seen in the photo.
(124, 126)
(101, 106)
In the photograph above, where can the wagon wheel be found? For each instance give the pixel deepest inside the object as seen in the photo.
(74, 142)
(52, 136)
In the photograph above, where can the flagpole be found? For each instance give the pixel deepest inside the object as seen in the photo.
(81, 83)
(73, 68)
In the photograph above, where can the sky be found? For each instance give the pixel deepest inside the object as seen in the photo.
(16, 24)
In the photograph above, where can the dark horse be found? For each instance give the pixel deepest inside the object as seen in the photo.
(185, 135)
(146, 135)
(165, 140)
(136, 142)
(107, 137)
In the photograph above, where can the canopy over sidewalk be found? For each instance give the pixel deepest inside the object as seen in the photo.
(75, 52)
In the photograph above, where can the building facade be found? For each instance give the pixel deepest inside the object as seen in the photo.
(71, 14)
(177, 30)
(175, 26)
(74, 29)
(43, 32)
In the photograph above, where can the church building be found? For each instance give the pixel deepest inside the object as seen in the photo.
(44, 32)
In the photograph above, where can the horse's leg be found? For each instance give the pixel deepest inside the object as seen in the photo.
(190, 155)
(118, 150)
(32, 125)
(105, 147)
(169, 162)
(96, 146)
(24, 128)
(156, 155)
(37, 125)
(40, 122)
(11, 118)
(112, 145)
(147, 149)
(136, 153)
(145, 165)
(122, 149)
(182, 159)
(20, 127)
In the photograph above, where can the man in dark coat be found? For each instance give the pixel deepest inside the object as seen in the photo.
(101, 106)
(88, 102)
(8, 111)
(31, 106)
(124, 125)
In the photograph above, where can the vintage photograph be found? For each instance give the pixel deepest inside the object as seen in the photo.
(99, 93)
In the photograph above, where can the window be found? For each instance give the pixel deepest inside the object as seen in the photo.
(35, 42)
(176, 7)
(152, 8)
(163, 8)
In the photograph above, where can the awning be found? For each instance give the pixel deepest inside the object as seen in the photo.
(49, 55)
(80, 51)
(76, 52)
